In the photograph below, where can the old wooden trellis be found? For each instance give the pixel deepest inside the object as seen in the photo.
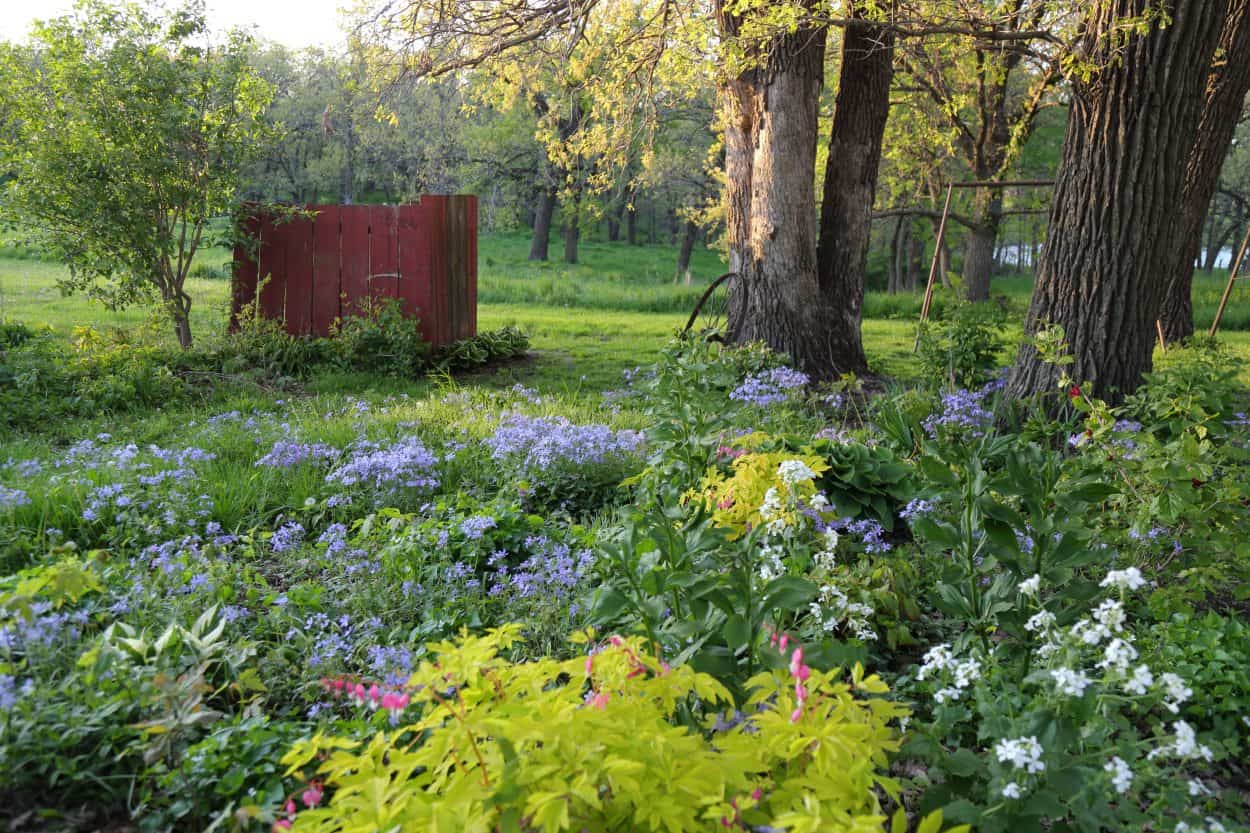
(325, 266)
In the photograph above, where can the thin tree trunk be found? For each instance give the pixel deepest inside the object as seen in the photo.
(690, 232)
(860, 112)
(1131, 126)
(573, 227)
(979, 248)
(892, 267)
(915, 259)
(1227, 85)
(347, 174)
(543, 211)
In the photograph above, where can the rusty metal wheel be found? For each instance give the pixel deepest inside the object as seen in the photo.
(711, 311)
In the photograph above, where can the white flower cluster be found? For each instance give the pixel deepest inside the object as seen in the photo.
(941, 660)
(1030, 586)
(827, 557)
(771, 565)
(1210, 826)
(1040, 622)
(833, 609)
(1021, 753)
(1185, 745)
(794, 472)
(1106, 625)
(773, 513)
(1176, 690)
(1128, 579)
(1069, 682)
(1121, 774)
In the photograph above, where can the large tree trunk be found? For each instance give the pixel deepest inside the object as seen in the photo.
(987, 215)
(770, 203)
(860, 112)
(1227, 85)
(1122, 171)
(543, 211)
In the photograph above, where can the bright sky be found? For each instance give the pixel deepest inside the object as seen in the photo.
(296, 23)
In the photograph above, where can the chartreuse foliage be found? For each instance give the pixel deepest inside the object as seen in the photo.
(605, 742)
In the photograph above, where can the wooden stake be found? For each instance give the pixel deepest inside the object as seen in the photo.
(1163, 347)
(933, 267)
(1228, 288)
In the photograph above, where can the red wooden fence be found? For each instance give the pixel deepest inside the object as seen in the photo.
(322, 268)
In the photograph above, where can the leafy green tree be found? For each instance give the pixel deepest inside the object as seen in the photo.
(129, 127)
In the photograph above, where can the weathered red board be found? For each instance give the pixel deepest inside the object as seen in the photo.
(315, 270)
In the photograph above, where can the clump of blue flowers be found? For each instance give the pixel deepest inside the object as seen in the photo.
(770, 387)
(540, 444)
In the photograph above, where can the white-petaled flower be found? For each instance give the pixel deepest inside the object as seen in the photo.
(771, 507)
(1121, 774)
(1187, 745)
(1040, 621)
(771, 565)
(1022, 753)
(1011, 790)
(966, 672)
(944, 694)
(936, 659)
(1117, 655)
(1140, 682)
(1197, 788)
(794, 472)
(1069, 682)
(1111, 615)
(1127, 579)
(819, 502)
(1091, 633)
(1048, 649)
(1176, 690)
(831, 539)
(1030, 586)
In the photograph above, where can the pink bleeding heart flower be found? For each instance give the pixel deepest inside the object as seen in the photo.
(312, 795)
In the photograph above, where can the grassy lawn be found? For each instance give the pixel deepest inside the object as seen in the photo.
(587, 322)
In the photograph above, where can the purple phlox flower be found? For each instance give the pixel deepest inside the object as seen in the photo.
(285, 454)
(541, 444)
(962, 414)
(770, 386)
(915, 508)
(475, 527)
(405, 464)
(287, 537)
(12, 498)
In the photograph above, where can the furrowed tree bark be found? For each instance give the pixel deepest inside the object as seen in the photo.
(1122, 171)
(859, 116)
(1227, 85)
(770, 112)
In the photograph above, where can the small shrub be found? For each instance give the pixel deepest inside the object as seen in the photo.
(379, 339)
(599, 743)
(963, 349)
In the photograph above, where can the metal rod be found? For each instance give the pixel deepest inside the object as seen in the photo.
(933, 267)
(1019, 183)
(1228, 288)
